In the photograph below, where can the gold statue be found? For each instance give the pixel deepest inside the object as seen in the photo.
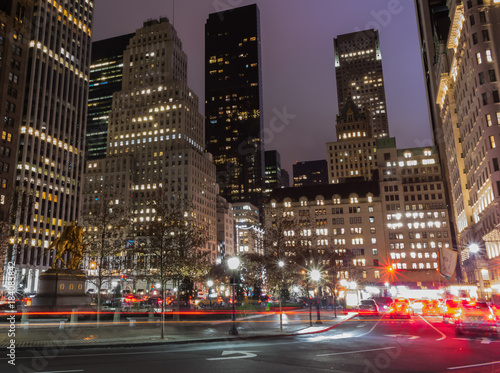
(71, 239)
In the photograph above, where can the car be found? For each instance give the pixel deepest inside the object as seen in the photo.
(449, 310)
(431, 308)
(417, 305)
(384, 303)
(400, 309)
(368, 307)
(476, 318)
(210, 303)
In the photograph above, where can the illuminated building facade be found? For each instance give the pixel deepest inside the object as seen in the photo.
(233, 102)
(225, 229)
(15, 23)
(52, 134)
(155, 135)
(353, 154)
(416, 218)
(309, 173)
(249, 232)
(345, 217)
(462, 64)
(105, 79)
(358, 68)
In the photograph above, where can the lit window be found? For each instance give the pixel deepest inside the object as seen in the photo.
(492, 142)
(478, 58)
(488, 120)
(488, 56)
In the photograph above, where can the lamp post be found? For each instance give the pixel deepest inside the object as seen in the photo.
(281, 264)
(209, 284)
(233, 264)
(316, 276)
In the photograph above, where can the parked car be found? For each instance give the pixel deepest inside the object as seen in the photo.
(476, 318)
(368, 307)
(210, 303)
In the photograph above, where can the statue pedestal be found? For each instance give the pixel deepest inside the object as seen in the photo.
(61, 290)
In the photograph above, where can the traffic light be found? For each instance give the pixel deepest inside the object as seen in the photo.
(123, 277)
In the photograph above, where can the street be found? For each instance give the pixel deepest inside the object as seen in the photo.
(369, 344)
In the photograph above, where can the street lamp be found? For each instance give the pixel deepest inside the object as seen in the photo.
(233, 264)
(209, 284)
(475, 249)
(281, 264)
(316, 276)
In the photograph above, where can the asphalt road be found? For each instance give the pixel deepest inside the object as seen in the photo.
(369, 345)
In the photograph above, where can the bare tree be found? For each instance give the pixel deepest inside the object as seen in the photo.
(171, 243)
(105, 240)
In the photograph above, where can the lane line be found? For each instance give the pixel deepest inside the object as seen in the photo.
(436, 329)
(475, 365)
(355, 352)
(369, 331)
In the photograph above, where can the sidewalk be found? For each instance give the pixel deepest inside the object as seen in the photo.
(143, 333)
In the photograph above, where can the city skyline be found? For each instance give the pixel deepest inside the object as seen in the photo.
(292, 102)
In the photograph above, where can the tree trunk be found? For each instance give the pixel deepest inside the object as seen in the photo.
(177, 302)
(98, 305)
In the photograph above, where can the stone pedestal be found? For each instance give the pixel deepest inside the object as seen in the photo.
(61, 290)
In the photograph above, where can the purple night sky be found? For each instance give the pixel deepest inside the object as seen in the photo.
(298, 62)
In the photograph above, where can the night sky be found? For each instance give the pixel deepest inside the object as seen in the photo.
(298, 62)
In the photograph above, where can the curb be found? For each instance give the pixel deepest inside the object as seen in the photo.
(183, 342)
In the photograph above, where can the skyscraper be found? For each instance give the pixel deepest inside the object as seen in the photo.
(358, 68)
(233, 102)
(353, 154)
(51, 142)
(461, 58)
(155, 135)
(15, 23)
(273, 171)
(105, 79)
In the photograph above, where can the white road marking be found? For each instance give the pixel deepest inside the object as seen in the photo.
(243, 355)
(355, 352)
(436, 329)
(402, 336)
(486, 341)
(475, 365)
(369, 331)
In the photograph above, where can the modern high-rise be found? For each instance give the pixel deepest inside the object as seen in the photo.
(358, 68)
(461, 61)
(105, 79)
(309, 173)
(155, 136)
(354, 152)
(233, 102)
(273, 171)
(15, 23)
(50, 155)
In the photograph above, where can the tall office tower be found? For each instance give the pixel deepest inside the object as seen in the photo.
(15, 23)
(353, 154)
(273, 171)
(105, 79)
(465, 94)
(358, 68)
(285, 178)
(309, 173)
(233, 102)
(155, 134)
(51, 148)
